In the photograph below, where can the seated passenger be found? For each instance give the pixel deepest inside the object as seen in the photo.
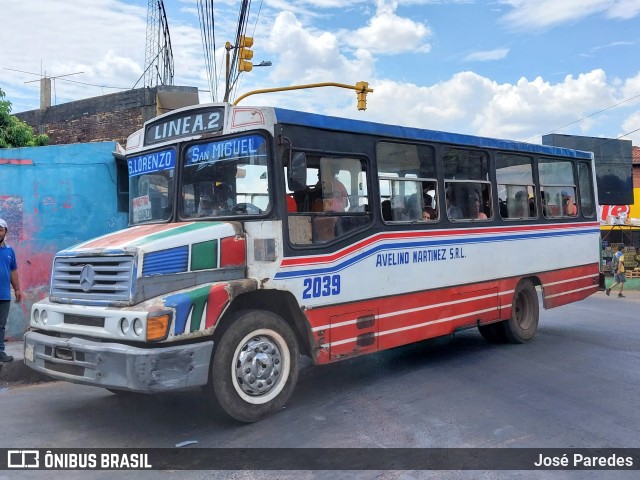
(522, 205)
(477, 212)
(335, 196)
(428, 208)
(453, 211)
(205, 208)
(222, 200)
(569, 208)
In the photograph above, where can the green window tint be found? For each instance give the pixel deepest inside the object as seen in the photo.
(204, 255)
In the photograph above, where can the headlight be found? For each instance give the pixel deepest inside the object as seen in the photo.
(36, 315)
(44, 316)
(137, 327)
(124, 326)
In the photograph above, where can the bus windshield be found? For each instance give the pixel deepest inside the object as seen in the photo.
(225, 178)
(151, 186)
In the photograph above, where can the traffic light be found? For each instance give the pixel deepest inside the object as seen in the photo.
(361, 88)
(244, 54)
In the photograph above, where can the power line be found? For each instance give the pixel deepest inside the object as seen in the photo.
(618, 138)
(588, 116)
(206, 18)
(255, 24)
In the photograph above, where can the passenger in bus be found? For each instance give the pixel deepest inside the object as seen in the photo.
(428, 213)
(522, 205)
(453, 211)
(569, 208)
(222, 199)
(335, 196)
(205, 208)
(476, 211)
(544, 197)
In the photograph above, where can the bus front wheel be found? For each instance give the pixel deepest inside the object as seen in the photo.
(523, 324)
(255, 365)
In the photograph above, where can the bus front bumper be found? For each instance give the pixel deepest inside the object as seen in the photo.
(117, 366)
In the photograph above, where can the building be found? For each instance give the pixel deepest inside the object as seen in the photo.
(107, 118)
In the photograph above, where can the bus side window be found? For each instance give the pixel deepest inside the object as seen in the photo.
(334, 202)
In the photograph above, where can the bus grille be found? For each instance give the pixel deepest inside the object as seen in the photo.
(105, 279)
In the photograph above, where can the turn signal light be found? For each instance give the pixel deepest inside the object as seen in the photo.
(158, 327)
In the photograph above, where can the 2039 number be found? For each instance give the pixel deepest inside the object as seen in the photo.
(325, 286)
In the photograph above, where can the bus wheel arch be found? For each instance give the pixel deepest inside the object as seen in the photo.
(255, 365)
(280, 302)
(525, 312)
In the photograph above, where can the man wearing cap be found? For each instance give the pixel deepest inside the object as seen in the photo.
(8, 278)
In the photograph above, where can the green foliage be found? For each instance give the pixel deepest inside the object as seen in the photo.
(14, 132)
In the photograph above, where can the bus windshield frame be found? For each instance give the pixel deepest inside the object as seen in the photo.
(226, 177)
(151, 186)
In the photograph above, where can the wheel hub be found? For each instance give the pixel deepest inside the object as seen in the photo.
(258, 365)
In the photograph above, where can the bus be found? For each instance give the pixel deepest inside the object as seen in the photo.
(258, 234)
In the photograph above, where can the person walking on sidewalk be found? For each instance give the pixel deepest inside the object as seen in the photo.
(618, 272)
(8, 279)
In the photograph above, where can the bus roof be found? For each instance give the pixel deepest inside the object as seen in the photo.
(359, 126)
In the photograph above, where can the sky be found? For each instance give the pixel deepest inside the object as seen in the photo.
(514, 69)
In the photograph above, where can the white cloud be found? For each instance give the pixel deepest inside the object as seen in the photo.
(631, 87)
(632, 124)
(388, 33)
(107, 43)
(624, 9)
(310, 56)
(541, 14)
(472, 104)
(487, 55)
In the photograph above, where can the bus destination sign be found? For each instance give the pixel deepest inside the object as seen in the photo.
(184, 124)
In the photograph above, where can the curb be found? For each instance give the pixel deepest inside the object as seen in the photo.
(17, 371)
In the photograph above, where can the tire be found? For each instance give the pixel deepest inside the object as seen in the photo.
(523, 324)
(494, 332)
(250, 388)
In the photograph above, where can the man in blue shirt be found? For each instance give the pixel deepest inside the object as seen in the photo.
(8, 278)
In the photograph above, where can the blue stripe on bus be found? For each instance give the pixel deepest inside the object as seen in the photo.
(426, 243)
(396, 131)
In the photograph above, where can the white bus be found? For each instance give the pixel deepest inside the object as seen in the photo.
(260, 234)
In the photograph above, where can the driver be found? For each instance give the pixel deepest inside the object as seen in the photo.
(222, 198)
(205, 208)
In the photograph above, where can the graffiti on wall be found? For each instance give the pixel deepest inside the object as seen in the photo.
(11, 210)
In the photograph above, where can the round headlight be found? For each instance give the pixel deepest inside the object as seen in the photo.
(124, 326)
(44, 316)
(36, 315)
(137, 327)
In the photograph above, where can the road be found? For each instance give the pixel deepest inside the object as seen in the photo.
(576, 385)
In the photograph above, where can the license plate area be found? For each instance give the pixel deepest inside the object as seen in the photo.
(63, 353)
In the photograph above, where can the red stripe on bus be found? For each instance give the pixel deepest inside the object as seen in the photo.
(124, 236)
(332, 257)
(407, 318)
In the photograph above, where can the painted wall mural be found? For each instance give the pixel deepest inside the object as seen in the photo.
(53, 197)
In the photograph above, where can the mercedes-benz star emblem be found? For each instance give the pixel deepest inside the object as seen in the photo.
(87, 277)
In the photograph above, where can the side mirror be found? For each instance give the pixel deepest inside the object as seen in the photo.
(297, 172)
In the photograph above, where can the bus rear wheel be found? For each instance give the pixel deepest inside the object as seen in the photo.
(523, 324)
(255, 365)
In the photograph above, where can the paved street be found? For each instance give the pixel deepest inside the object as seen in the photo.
(576, 385)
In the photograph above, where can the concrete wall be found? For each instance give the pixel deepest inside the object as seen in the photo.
(53, 197)
(109, 117)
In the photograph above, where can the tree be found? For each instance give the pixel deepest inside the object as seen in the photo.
(14, 132)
